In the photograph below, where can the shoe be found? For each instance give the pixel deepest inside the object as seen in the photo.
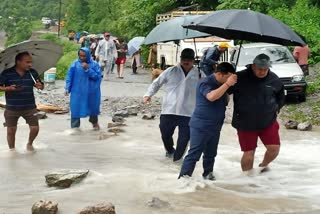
(170, 155)
(210, 177)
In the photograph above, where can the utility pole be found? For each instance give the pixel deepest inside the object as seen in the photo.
(59, 18)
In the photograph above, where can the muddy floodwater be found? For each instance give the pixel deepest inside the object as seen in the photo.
(131, 168)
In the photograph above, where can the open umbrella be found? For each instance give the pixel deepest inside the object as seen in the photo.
(246, 25)
(172, 30)
(135, 44)
(45, 54)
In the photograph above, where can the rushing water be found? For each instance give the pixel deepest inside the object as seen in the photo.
(129, 169)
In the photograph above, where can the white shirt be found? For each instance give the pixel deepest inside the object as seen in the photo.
(180, 96)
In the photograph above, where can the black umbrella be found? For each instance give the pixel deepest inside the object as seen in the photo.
(246, 25)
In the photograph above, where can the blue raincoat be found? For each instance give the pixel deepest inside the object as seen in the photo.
(84, 87)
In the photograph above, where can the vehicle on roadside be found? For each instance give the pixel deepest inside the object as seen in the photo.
(283, 65)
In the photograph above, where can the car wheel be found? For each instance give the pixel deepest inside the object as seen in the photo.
(302, 98)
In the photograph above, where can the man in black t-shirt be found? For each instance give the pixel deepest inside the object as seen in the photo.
(17, 82)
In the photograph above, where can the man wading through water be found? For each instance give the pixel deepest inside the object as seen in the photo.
(180, 83)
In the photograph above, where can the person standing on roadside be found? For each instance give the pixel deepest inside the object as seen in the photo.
(122, 49)
(302, 54)
(211, 57)
(180, 83)
(207, 119)
(258, 97)
(105, 53)
(83, 83)
(18, 83)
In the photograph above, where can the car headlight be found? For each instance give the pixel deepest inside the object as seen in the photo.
(297, 78)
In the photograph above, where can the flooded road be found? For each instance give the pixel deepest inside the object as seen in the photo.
(130, 169)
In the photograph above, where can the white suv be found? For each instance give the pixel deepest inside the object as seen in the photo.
(283, 65)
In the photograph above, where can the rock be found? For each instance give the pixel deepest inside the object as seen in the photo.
(148, 116)
(306, 126)
(104, 136)
(44, 207)
(64, 178)
(116, 124)
(132, 110)
(291, 124)
(103, 208)
(117, 119)
(158, 203)
(61, 112)
(41, 115)
(123, 113)
(115, 130)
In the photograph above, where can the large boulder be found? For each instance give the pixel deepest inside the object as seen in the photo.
(306, 126)
(291, 124)
(103, 208)
(115, 124)
(64, 178)
(122, 113)
(132, 110)
(117, 119)
(45, 207)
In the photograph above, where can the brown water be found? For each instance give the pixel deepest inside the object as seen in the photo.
(129, 169)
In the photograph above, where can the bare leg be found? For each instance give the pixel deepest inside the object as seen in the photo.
(121, 70)
(271, 154)
(34, 130)
(247, 160)
(11, 136)
(118, 70)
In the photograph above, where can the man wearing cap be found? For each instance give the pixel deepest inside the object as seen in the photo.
(105, 53)
(180, 83)
(211, 57)
(258, 97)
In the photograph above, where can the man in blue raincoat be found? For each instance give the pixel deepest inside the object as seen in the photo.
(83, 83)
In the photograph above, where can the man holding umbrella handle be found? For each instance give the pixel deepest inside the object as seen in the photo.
(17, 82)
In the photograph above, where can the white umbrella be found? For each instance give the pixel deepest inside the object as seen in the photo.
(135, 44)
(45, 54)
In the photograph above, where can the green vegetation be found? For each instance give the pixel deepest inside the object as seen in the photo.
(70, 50)
(302, 112)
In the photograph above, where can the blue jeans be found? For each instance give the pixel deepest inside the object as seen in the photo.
(168, 124)
(205, 142)
(75, 122)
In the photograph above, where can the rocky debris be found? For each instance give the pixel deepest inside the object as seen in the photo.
(291, 124)
(44, 207)
(122, 113)
(117, 119)
(115, 130)
(41, 115)
(148, 116)
(158, 203)
(132, 110)
(306, 126)
(103, 208)
(64, 178)
(116, 124)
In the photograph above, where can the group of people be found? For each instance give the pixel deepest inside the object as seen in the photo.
(193, 104)
(197, 107)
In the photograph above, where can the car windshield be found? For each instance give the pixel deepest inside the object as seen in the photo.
(277, 54)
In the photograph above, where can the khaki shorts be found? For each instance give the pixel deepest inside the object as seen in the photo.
(12, 117)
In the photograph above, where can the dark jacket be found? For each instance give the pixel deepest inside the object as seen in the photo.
(257, 101)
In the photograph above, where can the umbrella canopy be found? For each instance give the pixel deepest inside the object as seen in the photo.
(135, 44)
(45, 54)
(172, 30)
(246, 25)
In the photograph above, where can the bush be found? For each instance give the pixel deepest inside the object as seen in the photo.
(70, 53)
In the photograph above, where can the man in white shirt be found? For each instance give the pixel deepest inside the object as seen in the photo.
(105, 53)
(180, 83)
